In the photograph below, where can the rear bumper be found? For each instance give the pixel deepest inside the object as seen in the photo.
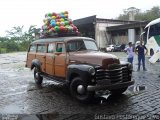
(110, 87)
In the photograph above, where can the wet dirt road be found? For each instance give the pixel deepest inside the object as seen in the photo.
(20, 96)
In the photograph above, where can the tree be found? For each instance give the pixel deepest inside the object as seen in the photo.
(3, 39)
(146, 15)
(151, 14)
(30, 33)
(16, 33)
(17, 40)
(129, 13)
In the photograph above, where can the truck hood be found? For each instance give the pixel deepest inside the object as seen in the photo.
(94, 58)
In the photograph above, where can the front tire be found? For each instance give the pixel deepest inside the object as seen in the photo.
(37, 77)
(78, 89)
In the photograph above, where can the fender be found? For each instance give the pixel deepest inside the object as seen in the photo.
(81, 70)
(36, 63)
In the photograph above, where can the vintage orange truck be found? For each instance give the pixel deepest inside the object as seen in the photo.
(77, 62)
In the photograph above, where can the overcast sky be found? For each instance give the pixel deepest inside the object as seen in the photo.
(31, 12)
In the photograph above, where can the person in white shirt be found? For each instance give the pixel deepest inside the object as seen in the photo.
(130, 53)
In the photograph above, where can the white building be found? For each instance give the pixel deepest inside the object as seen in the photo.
(110, 31)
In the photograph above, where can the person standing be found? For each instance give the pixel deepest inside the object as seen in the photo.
(140, 51)
(130, 54)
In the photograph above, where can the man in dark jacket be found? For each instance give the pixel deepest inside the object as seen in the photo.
(141, 51)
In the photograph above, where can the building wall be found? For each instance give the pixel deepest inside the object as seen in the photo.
(101, 36)
(120, 39)
(115, 34)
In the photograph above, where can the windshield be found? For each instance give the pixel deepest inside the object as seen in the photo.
(154, 30)
(80, 45)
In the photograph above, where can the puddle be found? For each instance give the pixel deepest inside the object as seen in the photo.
(48, 116)
(13, 94)
(11, 109)
(47, 83)
(108, 97)
(31, 117)
(36, 87)
(18, 88)
(136, 88)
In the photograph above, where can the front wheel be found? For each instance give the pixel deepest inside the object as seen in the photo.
(78, 89)
(118, 91)
(37, 77)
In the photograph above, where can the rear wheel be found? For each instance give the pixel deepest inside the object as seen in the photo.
(78, 89)
(37, 77)
(118, 91)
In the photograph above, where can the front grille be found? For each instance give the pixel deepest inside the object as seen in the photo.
(114, 73)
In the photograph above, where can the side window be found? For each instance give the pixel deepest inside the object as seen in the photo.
(75, 45)
(41, 48)
(51, 48)
(71, 46)
(154, 30)
(32, 48)
(60, 47)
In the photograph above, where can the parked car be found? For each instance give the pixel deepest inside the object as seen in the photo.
(123, 46)
(77, 63)
(117, 48)
(110, 48)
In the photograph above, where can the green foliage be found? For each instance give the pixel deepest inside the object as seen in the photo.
(16, 33)
(146, 15)
(17, 40)
(29, 35)
(12, 45)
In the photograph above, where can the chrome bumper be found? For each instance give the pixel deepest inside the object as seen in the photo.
(110, 87)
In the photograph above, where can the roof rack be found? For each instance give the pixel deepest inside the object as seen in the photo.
(53, 35)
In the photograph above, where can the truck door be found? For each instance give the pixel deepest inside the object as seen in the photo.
(60, 60)
(41, 55)
(50, 59)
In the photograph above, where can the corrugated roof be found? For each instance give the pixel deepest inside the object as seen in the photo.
(86, 20)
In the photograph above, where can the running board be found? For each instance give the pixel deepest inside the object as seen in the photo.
(57, 80)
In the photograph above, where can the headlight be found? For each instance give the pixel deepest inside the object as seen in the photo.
(92, 71)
